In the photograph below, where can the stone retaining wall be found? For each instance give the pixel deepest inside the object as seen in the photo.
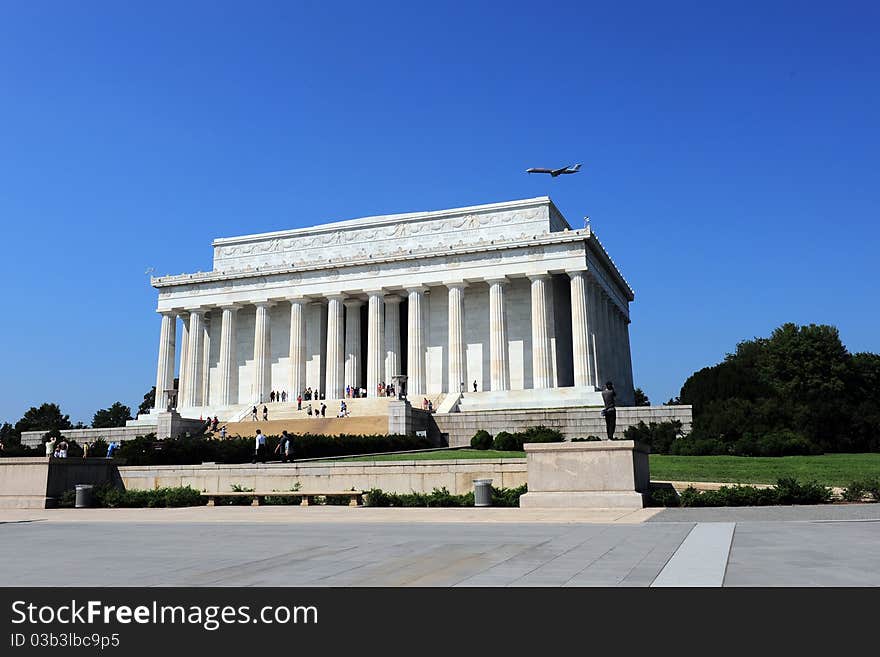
(572, 422)
(391, 476)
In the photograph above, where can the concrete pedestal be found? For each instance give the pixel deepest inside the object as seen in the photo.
(603, 474)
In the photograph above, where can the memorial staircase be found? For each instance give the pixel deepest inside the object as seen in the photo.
(493, 400)
(367, 416)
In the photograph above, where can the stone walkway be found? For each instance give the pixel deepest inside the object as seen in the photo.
(327, 546)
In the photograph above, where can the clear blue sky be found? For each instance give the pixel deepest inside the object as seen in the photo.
(730, 158)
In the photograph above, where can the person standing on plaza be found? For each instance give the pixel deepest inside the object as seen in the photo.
(265, 413)
(299, 402)
(86, 450)
(254, 414)
(609, 412)
(475, 385)
(259, 447)
(50, 448)
(286, 447)
(323, 409)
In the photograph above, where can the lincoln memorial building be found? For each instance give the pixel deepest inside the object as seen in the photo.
(507, 296)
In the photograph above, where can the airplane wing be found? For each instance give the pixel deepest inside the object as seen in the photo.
(556, 172)
(539, 170)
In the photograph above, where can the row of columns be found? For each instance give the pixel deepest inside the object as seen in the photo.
(600, 343)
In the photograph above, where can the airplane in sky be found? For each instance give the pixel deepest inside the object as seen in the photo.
(556, 172)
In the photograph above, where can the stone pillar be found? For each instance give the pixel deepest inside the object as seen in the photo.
(614, 349)
(542, 364)
(165, 369)
(353, 343)
(375, 343)
(192, 389)
(297, 382)
(205, 383)
(335, 348)
(226, 393)
(457, 357)
(592, 311)
(499, 364)
(415, 352)
(608, 340)
(620, 351)
(184, 356)
(627, 363)
(580, 330)
(262, 354)
(392, 337)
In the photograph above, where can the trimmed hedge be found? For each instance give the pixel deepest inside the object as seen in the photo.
(513, 442)
(786, 492)
(110, 497)
(441, 497)
(145, 450)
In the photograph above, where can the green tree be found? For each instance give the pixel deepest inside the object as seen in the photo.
(115, 416)
(799, 390)
(8, 436)
(46, 417)
(148, 403)
(641, 399)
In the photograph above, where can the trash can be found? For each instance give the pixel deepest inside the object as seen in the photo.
(83, 496)
(482, 492)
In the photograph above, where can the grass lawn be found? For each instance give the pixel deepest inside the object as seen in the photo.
(446, 454)
(827, 469)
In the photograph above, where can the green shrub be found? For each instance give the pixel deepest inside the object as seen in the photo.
(855, 492)
(790, 491)
(659, 436)
(540, 434)
(588, 439)
(111, 497)
(506, 441)
(441, 497)
(482, 440)
(786, 491)
(514, 442)
(662, 495)
(507, 497)
(146, 450)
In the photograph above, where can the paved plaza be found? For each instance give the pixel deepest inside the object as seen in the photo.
(290, 546)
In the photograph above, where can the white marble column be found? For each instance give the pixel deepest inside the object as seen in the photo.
(542, 364)
(262, 354)
(627, 363)
(457, 348)
(415, 352)
(375, 342)
(392, 337)
(297, 382)
(165, 369)
(184, 356)
(616, 337)
(192, 389)
(353, 343)
(580, 330)
(335, 348)
(606, 340)
(226, 393)
(592, 336)
(205, 384)
(499, 363)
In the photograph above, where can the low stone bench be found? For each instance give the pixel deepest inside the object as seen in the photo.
(306, 499)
